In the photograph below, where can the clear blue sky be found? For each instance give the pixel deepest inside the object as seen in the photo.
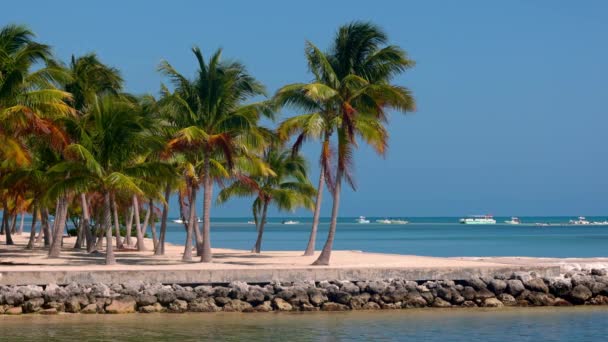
(511, 94)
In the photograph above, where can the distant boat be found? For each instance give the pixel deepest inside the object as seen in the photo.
(581, 221)
(291, 222)
(250, 222)
(513, 220)
(541, 224)
(600, 223)
(180, 221)
(362, 220)
(384, 221)
(478, 219)
(399, 222)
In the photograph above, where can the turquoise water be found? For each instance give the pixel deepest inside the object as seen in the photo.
(527, 324)
(423, 236)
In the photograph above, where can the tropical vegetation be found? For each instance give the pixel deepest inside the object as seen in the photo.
(77, 149)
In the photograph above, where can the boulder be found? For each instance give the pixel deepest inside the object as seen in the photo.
(221, 291)
(414, 300)
(264, 307)
(484, 294)
(75, 302)
(89, 309)
(561, 287)
(440, 303)
(357, 302)
(203, 304)
(59, 306)
(178, 306)
(51, 311)
(476, 283)
(599, 271)
(97, 290)
(121, 305)
(583, 279)
(469, 293)
(521, 276)
(537, 285)
(221, 301)
(350, 288)
(33, 305)
(186, 295)
(540, 299)
(515, 287)
(238, 289)
(166, 296)
(377, 287)
(492, 303)
(468, 304)
(146, 300)
(598, 300)
(309, 307)
(203, 291)
(561, 302)
(132, 287)
(497, 286)
(237, 305)
(507, 299)
(580, 293)
(281, 305)
(597, 288)
(13, 297)
(256, 296)
(15, 310)
(31, 291)
(370, 306)
(331, 306)
(317, 296)
(153, 308)
(341, 297)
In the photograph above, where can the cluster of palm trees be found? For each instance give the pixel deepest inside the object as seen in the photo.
(74, 145)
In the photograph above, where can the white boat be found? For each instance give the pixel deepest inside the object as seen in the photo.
(513, 220)
(362, 220)
(291, 222)
(542, 224)
(384, 221)
(581, 221)
(399, 222)
(600, 223)
(250, 222)
(182, 221)
(478, 219)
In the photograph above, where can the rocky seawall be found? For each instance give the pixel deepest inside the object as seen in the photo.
(586, 287)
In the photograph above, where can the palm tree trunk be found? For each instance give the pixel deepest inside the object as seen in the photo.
(116, 221)
(59, 226)
(79, 235)
(30, 243)
(191, 222)
(86, 223)
(5, 217)
(144, 227)
(140, 237)
(160, 248)
(129, 225)
(257, 248)
(198, 238)
(208, 189)
(45, 229)
(107, 226)
(14, 223)
(153, 223)
(310, 248)
(21, 223)
(326, 253)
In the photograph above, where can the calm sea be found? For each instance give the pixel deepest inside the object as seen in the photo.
(422, 236)
(527, 324)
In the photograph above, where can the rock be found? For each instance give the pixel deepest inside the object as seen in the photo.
(598, 300)
(121, 305)
(221, 301)
(153, 289)
(599, 271)
(166, 297)
(178, 306)
(515, 287)
(156, 307)
(331, 306)
(580, 293)
(391, 306)
(256, 297)
(51, 311)
(31, 291)
(440, 303)
(469, 304)
(357, 302)
(507, 299)
(13, 297)
(561, 287)
(133, 287)
(350, 288)
(309, 307)
(341, 297)
(377, 287)
(444, 293)
(146, 300)
(561, 302)
(469, 293)
(317, 296)
(492, 303)
(97, 290)
(237, 305)
(540, 299)
(597, 288)
(33, 305)
(185, 295)
(476, 283)
(581, 279)
(238, 290)
(74, 303)
(428, 296)
(281, 305)
(59, 306)
(415, 300)
(15, 310)
(521, 276)
(203, 291)
(300, 295)
(264, 307)
(89, 309)
(221, 291)
(371, 306)
(206, 304)
(537, 285)
(497, 286)
(484, 294)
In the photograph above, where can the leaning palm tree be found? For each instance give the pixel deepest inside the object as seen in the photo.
(214, 124)
(352, 92)
(287, 187)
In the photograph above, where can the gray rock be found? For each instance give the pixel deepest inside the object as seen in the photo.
(581, 279)
(521, 276)
(256, 297)
(377, 287)
(341, 297)
(238, 289)
(203, 291)
(221, 301)
(75, 302)
(203, 304)
(281, 305)
(166, 296)
(221, 291)
(561, 287)
(507, 299)
(492, 303)
(469, 304)
(414, 300)
(350, 288)
(146, 300)
(476, 283)
(264, 307)
(178, 306)
(33, 305)
(13, 297)
(597, 288)
(31, 291)
(153, 308)
(537, 285)
(371, 306)
(599, 271)
(331, 306)
(186, 295)
(357, 302)
(317, 296)
(515, 287)
(440, 303)
(121, 305)
(484, 294)
(97, 290)
(580, 293)
(89, 309)
(153, 289)
(497, 286)
(132, 287)
(540, 299)
(469, 293)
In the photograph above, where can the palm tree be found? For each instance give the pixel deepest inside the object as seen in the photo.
(287, 187)
(213, 125)
(351, 94)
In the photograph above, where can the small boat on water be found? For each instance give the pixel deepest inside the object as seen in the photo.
(399, 221)
(384, 221)
(478, 219)
(362, 220)
(180, 221)
(581, 221)
(291, 222)
(542, 224)
(600, 223)
(250, 222)
(513, 220)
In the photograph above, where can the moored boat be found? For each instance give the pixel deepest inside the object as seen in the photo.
(291, 222)
(513, 220)
(362, 220)
(478, 219)
(581, 221)
(384, 221)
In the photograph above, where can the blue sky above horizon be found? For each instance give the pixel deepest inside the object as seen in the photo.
(511, 117)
